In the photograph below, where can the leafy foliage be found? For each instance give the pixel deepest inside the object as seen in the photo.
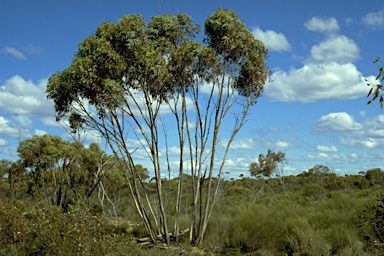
(44, 230)
(267, 165)
(376, 90)
(122, 76)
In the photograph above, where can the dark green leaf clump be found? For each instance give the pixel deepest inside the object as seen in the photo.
(376, 91)
(158, 59)
(237, 47)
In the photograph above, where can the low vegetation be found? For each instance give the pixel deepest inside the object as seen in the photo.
(314, 213)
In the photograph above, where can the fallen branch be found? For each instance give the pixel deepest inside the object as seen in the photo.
(147, 240)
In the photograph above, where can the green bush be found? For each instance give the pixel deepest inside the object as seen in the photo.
(314, 191)
(344, 240)
(255, 229)
(306, 241)
(43, 229)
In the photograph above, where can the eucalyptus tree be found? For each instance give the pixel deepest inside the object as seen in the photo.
(270, 164)
(43, 156)
(57, 167)
(12, 172)
(124, 77)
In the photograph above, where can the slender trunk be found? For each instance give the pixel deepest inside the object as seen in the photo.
(217, 123)
(181, 162)
(156, 164)
(11, 189)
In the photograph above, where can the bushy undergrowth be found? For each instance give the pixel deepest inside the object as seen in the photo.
(278, 225)
(43, 229)
(252, 217)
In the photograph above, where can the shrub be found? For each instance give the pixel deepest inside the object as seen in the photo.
(255, 229)
(306, 241)
(43, 229)
(314, 191)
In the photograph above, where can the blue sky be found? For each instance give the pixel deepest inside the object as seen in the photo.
(314, 110)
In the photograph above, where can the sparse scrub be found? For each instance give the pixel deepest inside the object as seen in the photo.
(314, 215)
(45, 230)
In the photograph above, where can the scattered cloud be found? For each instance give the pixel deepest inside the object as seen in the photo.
(274, 129)
(239, 164)
(331, 158)
(39, 132)
(23, 121)
(374, 19)
(325, 74)
(362, 113)
(349, 21)
(326, 148)
(293, 128)
(3, 142)
(14, 53)
(319, 156)
(273, 40)
(368, 134)
(314, 82)
(8, 128)
(322, 25)
(51, 121)
(340, 121)
(172, 152)
(339, 49)
(33, 49)
(282, 144)
(369, 143)
(246, 143)
(22, 97)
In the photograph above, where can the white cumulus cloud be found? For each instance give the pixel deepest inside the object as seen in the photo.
(7, 128)
(317, 81)
(340, 49)
(23, 97)
(273, 40)
(368, 134)
(39, 132)
(322, 25)
(326, 73)
(339, 121)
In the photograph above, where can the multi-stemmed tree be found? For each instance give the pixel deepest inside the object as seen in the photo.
(59, 169)
(126, 75)
(268, 165)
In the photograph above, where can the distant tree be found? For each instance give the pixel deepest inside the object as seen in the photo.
(126, 73)
(268, 165)
(318, 173)
(142, 171)
(58, 167)
(5, 165)
(319, 169)
(12, 173)
(375, 177)
(43, 156)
